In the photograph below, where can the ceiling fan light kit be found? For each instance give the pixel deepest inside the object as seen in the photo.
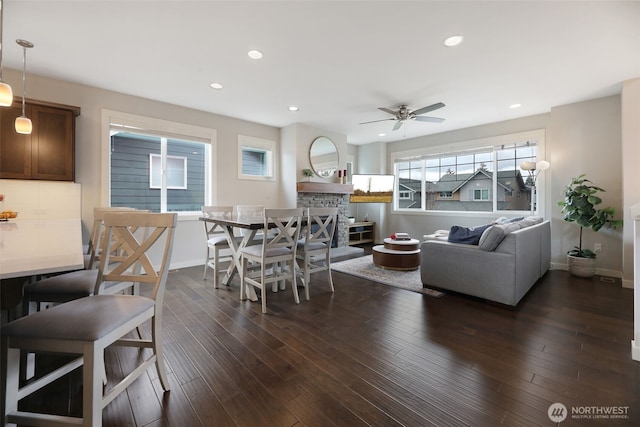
(404, 113)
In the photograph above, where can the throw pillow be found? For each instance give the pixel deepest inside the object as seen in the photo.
(495, 234)
(491, 238)
(466, 235)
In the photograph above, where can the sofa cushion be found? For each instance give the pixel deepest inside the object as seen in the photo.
(529, 221)
(466, 235)
(494, 235)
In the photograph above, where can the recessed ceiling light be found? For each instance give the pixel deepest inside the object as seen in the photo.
(453, 41)
(382, 134)
(254, 54)
(216, 85)
(293, 108)
(512, 106)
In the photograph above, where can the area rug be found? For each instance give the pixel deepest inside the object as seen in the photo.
(365, 268)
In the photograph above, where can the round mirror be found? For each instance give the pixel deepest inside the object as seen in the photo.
(323, 156)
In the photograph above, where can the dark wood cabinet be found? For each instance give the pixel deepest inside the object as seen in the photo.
(49, 152)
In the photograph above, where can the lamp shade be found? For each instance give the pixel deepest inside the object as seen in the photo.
(23, 125)
(528, 166)
(542, 165)
(6, 95)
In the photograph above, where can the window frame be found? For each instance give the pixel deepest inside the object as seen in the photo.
(168, 156)
(267, 146)
(482, 193)
(492, 143)
(143, 124)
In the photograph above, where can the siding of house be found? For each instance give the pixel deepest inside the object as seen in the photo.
(130, 174)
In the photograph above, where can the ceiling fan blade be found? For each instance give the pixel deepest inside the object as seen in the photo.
(397, 125)
(386, 110)
(374, 121)
(429, 119)
(428, 108)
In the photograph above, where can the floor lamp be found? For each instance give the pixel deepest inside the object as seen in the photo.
(534, 169)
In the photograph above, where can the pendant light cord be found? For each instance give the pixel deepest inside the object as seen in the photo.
(25, 44)
(24, 76)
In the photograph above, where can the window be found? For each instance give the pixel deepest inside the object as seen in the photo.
(176, 172)
(475, 176)
(481, 194)
(157, 165)
(256, 158)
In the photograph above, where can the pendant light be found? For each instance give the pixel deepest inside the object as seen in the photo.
(6, 94)
(23, 123)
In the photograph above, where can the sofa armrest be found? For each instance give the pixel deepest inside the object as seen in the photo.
(469, 270)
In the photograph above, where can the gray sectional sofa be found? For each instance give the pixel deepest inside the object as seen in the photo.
(506, 263)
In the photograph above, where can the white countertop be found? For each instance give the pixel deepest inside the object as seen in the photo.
(38, 246)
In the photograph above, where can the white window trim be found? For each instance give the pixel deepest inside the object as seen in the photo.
(538, 135)
(261, 144)
(134, 121)
(481, 190)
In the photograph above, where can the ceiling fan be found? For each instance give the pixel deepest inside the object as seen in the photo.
(404, 113)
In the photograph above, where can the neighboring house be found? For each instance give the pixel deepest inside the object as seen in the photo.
(467, 192)
(409, 194)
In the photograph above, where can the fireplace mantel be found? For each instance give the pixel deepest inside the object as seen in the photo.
(324, 187)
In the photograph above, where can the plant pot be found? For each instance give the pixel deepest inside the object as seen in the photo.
(581, 267)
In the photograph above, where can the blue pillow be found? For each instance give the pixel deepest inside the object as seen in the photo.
(466, 235)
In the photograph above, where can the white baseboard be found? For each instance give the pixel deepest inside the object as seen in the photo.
(635, 351)
(599, 272)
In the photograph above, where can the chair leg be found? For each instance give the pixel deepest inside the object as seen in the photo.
(296, 297)
(92, 372)
(328, 264)
(243, 274)
(10, 375)
(206, 262)
(159, 352)
(307, 275)
(216, 269)
(264, 289)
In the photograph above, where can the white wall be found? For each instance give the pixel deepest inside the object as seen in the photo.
(630, 162)
(585, 137)
(189, 244)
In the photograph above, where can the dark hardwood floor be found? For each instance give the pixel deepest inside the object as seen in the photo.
(371, 354)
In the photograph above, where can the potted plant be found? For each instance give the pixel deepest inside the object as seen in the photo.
(580, 205)
(308, 173)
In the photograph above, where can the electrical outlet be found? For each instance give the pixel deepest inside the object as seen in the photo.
(597, 247)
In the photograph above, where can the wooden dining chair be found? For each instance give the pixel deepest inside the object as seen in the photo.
(87, 326)
(97, 229)
(75, 284)
(216, 240)
(314, 248)
(275, 255)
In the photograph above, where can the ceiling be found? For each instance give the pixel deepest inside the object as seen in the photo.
(337, 61)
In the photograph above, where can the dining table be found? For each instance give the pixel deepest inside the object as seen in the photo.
(249, 226)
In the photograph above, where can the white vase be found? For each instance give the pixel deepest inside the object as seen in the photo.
(581, 267)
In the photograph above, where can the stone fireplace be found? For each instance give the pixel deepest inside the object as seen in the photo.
(328, 195)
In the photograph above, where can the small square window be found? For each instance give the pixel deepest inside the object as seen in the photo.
(256, 158)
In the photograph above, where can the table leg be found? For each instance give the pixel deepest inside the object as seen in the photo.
(236, 258)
